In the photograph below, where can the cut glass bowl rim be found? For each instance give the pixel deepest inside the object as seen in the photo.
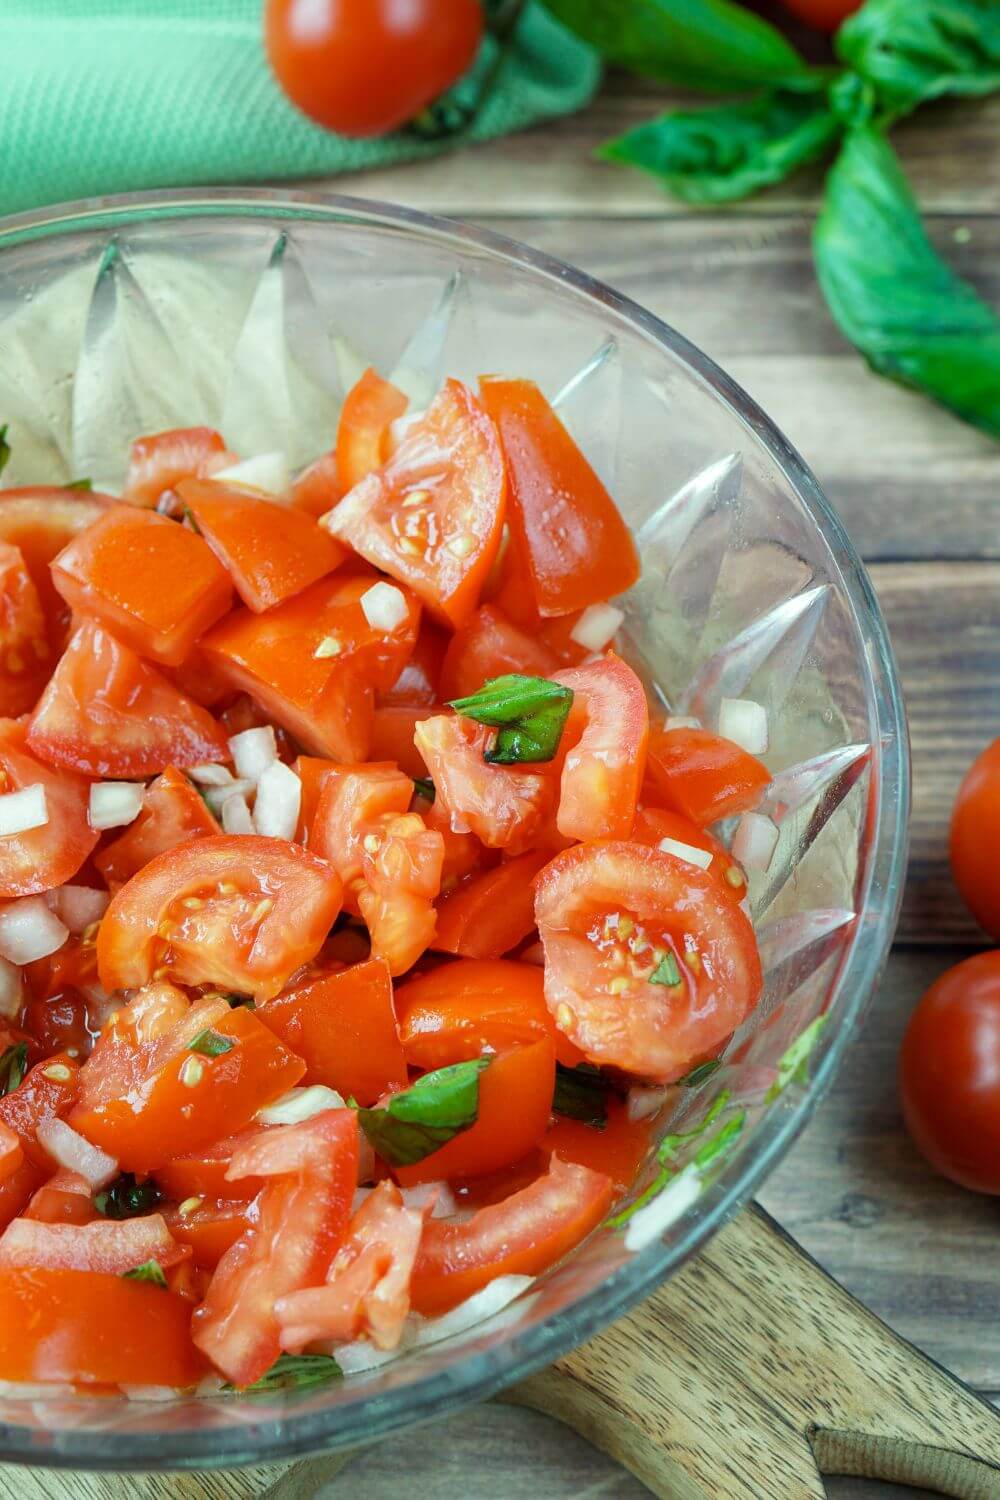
(480, 1375)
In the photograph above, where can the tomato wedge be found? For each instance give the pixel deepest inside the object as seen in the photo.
(160, 460)
(40, 521)
(504, 806)
(202, 1173)
(432, 515)
(521, 1236)
(489, 913)
(25, 653)
(210, 1227)
(392, 736)
(48, 1091)
(11, 1151)
(106, 712)
(655, 823)
(703, 776)
(489, 646)
(317, 487)
(152, 582)
(102, 1245)
(67, 1198)
(363, 433)
(602, 772)
(240, 912)
(303, 1214)
(649, 967)
(48, 856)
(578, 549)
(271, 551)
(172, 813)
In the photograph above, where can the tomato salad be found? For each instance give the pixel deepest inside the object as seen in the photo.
(353, 907)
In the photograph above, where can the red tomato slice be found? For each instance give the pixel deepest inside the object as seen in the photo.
(489, 646)
(148, 1102)
(303, 1214)
(367, 1291)
(47, 856)
(318, 487)
(200, 679)
(343, 1026)
(392, 736)
(703, 776)
(17, 1188)
(504, 806)
(90, 1329)
(105, 1245)
(161, 460)
(655, 823)
(48, 1091)
(25, 653)
(40, 522)
(203, 1173)
(490, 912)
(432, 516)
(417, 683)
(271, 551)
(11, 1151)
(172, 813)
(209, 1228)
(240, 912)
(463, 853)
(363, 434)
(579, 550)
(65, 1199)
(515, 1105)
(602, 772)
(618, 1150)
(609, 915)
(106, 712)
(154, 583)
(522, 1236)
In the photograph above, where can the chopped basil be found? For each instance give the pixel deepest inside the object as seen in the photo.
(423, 786)
(13, 1066)
(700, 1074)
(291, 1372)
(211, 1044)
(793, 1065)
(189, 518)
(666, 971)
(581, 1094)
(236, 1000)
(528, 712)
(150, 1270)
(125, 1198)
(4, 448)
(79, 484)
(426, 1116)
(669, 1147)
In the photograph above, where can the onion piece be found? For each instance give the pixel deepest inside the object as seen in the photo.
(266, 471)
(597, 626)
(438, 1194)
(279, 797)
(688, 852)
(665, 1209)
(209, 775)
(745, 723)
(114, 803)
(29, 930)
(643, 1103)
(300, 1104)
(150, 1392)
(235, 814)
(483, 1304)
(74, 1153)
(253, 750)
(755, 841)
(384, 606)
(400, 426)
(78, 905)
(10, 990)
(22, 810)
(681, 721)
(355, 1358)
(216, 797)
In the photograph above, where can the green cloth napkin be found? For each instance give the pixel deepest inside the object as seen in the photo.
(105, 96)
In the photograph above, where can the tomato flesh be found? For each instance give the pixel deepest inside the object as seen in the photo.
(172, 813)
(618, 1150)
(655, 823)
(48, 856)
(393, 728)
(702, 775)
(161, 460)
(490, 912)
(602, 772)
(363, 432)
(504, 806)
(489, 646)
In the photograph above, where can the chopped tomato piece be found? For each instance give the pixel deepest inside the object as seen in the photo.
(87, 1328)
(489, 646)
(602, 772)
(417, 683)
(71, 967)
(161, 460)
(67, 1198)
(11, 1151)
(363, 434)
(521, 1236)
(198, 678)
(209, 1228)
(172, 813)
(504, 806)
(203, 1173)
(154, 583)
(48, 1091)
(578, 549)
(432, 516)
(303, 1214)
(25, 653)
(67, 1021)
(17, 1188)
(515, 1103)
(240, 912)
(392, 736)
(106, 712)
(463, 853)
(618, 1150)
(649, 967)
(343, 1026)
(655, 823)
(271, 551)
(318, 486)
(367, 1291)
(148, 1102)
(39, 522)
(310, 769)
(464, 1010)
(106, 1245)
(703, 776)
(42, 857)
(492, 911)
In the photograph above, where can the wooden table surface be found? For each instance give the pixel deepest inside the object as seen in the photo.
(920, 493)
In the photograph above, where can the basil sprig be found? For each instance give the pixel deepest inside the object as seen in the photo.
(581, 1094)
(912, 52)
(150, 1270)
(424, 787)
(793, 1065)
(124, 1198)
(427, 1115)
(13, 1066)
(529, 714)
(294, 1372)
(211, 1044)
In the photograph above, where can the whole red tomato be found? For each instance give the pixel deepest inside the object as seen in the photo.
(825, 15)
(950, 1074)
(363, 67)
(975, 838)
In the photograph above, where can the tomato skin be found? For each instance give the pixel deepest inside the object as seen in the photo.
(172, 813)
(224, 941)
(417, 683)
(160, 460)
(105, 1245)
(17, 1189)
(489, 646)
(203, 1173)
(25, 654)
(825, 15)
(363, 431)
(703, 776)
(211, 1228)
(618, 1151)
(492, 911)
(65, 1199)
(369, 67)
(521, 1236)
(318, 487)
(515, 1103)
(975, 832)
(949, 1074)
(47, 1091)
(48, 856)
(655, 823)
(392, 736)
(504, 806)
(602, 772)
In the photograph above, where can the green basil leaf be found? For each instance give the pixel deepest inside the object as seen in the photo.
(700, 1074)
(581, 1094)
(424, 787)
(427, 1115)
(211, 1044)
(715, 155)
(666, 971)
(911, 316)
(126, 1199)
(79, 484)
(710, 1150)
(150, 1270)
(236, 1000)
(793, 1065)
(529, 713)
(4, 448)
(912, 50)
(701, 44)
(295, 1372)
(13, 1066)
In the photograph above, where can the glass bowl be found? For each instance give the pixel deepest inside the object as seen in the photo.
(254, 311)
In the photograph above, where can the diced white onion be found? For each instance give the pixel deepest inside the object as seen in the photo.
(28, 930)
(266, 471)
(665, 1209)
(438, 1194)
(300, 1104)
(216, 797)
(681, 721)
(384, 606)
(598, 625)
(253, 751)
(643, 1103)
(78, 905)
(149, 1392)
(279, 797)
(355, 1358)
(700, 857)
(755, 841)
(745, 723)
(22, 810)
(746, 909)
(236, 817)
(209, 775)
(475, 1309)
(75, 1153)
(115, 803)
(10, 990)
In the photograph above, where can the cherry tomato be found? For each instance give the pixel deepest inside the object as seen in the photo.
(106, 712)
(42, 857)
(490, 646)
(162, 459)
(950, 1073)
(392, 736)
(825, 15)
(655, 823)
(618, 1150)
(237, 911)
(172, 813)
(363, 432)
(520, 1236)
(506, 807)
(106, 1245)
(490, 912)
(975, 832)
(368, 67)
(703, 776)
(602, 771)
(432, 515)
(611, 916)
(152, 582)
